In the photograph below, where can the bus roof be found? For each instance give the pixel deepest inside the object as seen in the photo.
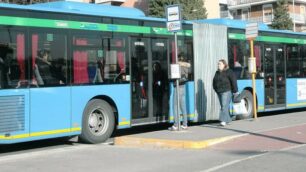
(85, 9)
(239, 24)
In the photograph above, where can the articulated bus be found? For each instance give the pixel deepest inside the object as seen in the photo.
(75, 69)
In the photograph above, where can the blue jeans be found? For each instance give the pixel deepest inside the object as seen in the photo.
(182, 109)
(225, 100)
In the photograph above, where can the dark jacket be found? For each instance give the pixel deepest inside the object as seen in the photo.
(225, 81)
(47, 72)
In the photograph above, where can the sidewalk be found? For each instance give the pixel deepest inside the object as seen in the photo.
(203, 136)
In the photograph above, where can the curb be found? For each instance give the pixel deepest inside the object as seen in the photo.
(174, 144)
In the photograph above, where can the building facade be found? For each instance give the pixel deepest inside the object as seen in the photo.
(263, 11)
(213, 9)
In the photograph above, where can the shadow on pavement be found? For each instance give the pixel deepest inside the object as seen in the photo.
(252, 133)
(279, 112)
(141, 129)
(35, 145)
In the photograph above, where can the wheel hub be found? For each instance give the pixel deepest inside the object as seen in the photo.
(97, 122)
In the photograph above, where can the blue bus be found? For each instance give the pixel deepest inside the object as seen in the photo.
(76, 69)
(280, 63)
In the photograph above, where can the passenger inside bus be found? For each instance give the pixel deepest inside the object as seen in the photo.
(45, 72)
(9, 71)
(100, 66)
(158, 87)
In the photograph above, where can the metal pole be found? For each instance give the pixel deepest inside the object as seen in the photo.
(253, 81)
(293, 16)
(177, 88)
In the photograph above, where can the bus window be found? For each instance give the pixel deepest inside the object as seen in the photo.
(49, 59)
(116, 60)
(293, 61)
(99, 60)
(238, 54)
(303, 61)
(259, 60)
(185, 49)
(87, 59)
(12, 60)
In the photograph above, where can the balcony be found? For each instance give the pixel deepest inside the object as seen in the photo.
(225, 14)
(262, 19)
(223, 1)
(296, 18)
(253, 2)
(247, 2)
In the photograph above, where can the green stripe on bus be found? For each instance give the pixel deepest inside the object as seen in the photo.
(269, 39)
(63, 24)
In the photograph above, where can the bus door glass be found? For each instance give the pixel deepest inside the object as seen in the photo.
(160, 78)
(140, 77)
(275, 82)
(150, 86)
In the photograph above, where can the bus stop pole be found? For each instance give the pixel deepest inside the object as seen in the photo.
(177, 88)
(253, 80)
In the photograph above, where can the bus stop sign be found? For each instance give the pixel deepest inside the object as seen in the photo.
(173, 13)
(251, 31)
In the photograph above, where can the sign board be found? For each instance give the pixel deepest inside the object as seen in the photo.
(252, 65)
(301, 89)
(174, 26)
(173, 14)
(175, 71)
(251, 31)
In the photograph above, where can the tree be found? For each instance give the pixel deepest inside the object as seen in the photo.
(191, 9)
(282, 18)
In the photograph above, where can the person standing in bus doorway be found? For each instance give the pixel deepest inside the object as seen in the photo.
(224, 84)
(184, 68)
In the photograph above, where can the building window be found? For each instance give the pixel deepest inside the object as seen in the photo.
(245, 14)
(302, 10)
(267, 13)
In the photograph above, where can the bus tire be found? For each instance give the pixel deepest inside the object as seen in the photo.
(98, 122)
(248, 99)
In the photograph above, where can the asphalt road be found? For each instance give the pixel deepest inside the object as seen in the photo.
(285, 154)
(276, 150)
(81, 158)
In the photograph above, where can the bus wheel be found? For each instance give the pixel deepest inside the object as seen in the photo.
(98, 122)
(247, 98)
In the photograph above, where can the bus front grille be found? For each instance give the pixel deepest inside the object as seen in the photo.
(12, 113)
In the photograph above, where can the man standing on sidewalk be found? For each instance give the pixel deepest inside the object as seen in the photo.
(184, 68)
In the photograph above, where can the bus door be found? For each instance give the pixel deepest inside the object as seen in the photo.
(149, 76)
(275, 80)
